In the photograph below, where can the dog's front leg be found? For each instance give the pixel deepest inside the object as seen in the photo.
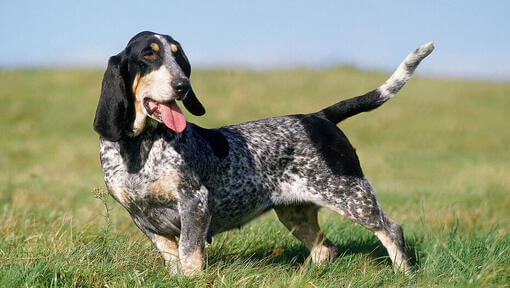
(195, 220)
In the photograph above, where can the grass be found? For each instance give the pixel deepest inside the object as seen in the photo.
(437, 154)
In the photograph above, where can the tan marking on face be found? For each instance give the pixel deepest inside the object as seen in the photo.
(193, 263)
(174, 48)
(155, 85)
(165, 186)
(154, 46)
(135, 83)
(140, 117)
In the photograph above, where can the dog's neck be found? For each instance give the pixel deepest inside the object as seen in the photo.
(135, 150)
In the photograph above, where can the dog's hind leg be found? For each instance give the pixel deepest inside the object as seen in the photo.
(391, 236)
(358, 203)
(301, 220)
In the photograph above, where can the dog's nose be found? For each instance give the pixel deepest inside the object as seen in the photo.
(180, 85)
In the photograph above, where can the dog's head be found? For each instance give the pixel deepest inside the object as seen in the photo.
(145, 80)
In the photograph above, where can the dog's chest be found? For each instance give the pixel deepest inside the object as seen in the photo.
(153, 193)
(153, 184)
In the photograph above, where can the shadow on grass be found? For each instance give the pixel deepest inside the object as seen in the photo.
(296, 255)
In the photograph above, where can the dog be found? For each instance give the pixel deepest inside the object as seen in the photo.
(179, 180)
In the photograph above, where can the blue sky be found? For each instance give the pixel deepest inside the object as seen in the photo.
(472, 37)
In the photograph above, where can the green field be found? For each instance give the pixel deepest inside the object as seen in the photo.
(438, 155)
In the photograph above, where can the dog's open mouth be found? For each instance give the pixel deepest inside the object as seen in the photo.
(168, 113)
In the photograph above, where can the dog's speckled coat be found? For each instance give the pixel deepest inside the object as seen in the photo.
(198, 183)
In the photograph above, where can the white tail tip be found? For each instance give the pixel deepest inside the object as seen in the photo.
(425, 50)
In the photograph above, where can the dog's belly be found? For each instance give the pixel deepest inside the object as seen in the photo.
(232, 207)
(162, 217)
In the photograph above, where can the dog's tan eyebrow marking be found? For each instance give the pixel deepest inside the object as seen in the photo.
(174, 48)
(154, 46)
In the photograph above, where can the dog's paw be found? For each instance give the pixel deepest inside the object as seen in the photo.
(324, 252)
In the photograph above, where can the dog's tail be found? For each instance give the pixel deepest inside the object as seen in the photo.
(375, 98)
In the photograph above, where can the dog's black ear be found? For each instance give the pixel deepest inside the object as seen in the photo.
(112, 110)
(191, 103)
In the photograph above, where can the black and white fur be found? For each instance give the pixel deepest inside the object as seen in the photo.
(198, 183)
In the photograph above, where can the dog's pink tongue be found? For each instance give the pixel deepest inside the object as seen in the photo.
(172, 116)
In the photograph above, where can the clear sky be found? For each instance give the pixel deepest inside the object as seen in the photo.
(472, 37)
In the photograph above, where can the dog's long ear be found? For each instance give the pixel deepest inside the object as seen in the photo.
(191, 103)
(112, 110)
